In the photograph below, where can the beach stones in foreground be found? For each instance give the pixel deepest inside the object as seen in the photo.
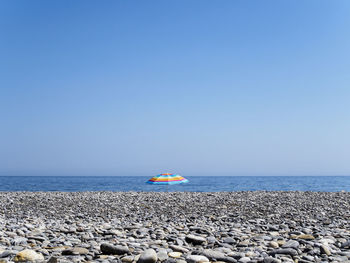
(135, 227)
(28, 255)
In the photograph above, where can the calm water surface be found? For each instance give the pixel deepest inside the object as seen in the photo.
(196, 184)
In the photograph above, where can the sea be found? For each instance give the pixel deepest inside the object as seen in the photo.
(195, 184)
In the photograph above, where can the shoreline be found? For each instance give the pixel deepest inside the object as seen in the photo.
(176, 227)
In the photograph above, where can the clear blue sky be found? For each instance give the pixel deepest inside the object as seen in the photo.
(194, 87)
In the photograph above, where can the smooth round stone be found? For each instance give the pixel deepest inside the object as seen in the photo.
(148, 256)
(175, 254)
(273, 244)
(28, 255)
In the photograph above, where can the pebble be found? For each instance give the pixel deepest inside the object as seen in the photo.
(213, 255)
(284, 251)
(28, 255)
(162, 254)
(325, 250)
(113, 250)
(75, 251)
(273, 244)
(291, 244)
(196, 240)
(196, 259)
(148, 256)
(306, 237)
(179, 249)
(127, 259)
(244, 260)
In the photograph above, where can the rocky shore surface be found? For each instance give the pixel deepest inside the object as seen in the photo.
(175, 227)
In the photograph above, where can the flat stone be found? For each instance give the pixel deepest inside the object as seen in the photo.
(7, 253)
(284, 251)
(196, 259)
(75, 251)
(211, 240)
(109, 249)
(195, 240)
(38, 238)
(229, 240)
(271, 260)
(244, 260)
(179, 248)
(175, 254)
(213, 255)
(306, 237)
(291, 244)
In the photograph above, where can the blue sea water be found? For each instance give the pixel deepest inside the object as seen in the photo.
(196, 183)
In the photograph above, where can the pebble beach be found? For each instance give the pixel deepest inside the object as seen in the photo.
(175, 227)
